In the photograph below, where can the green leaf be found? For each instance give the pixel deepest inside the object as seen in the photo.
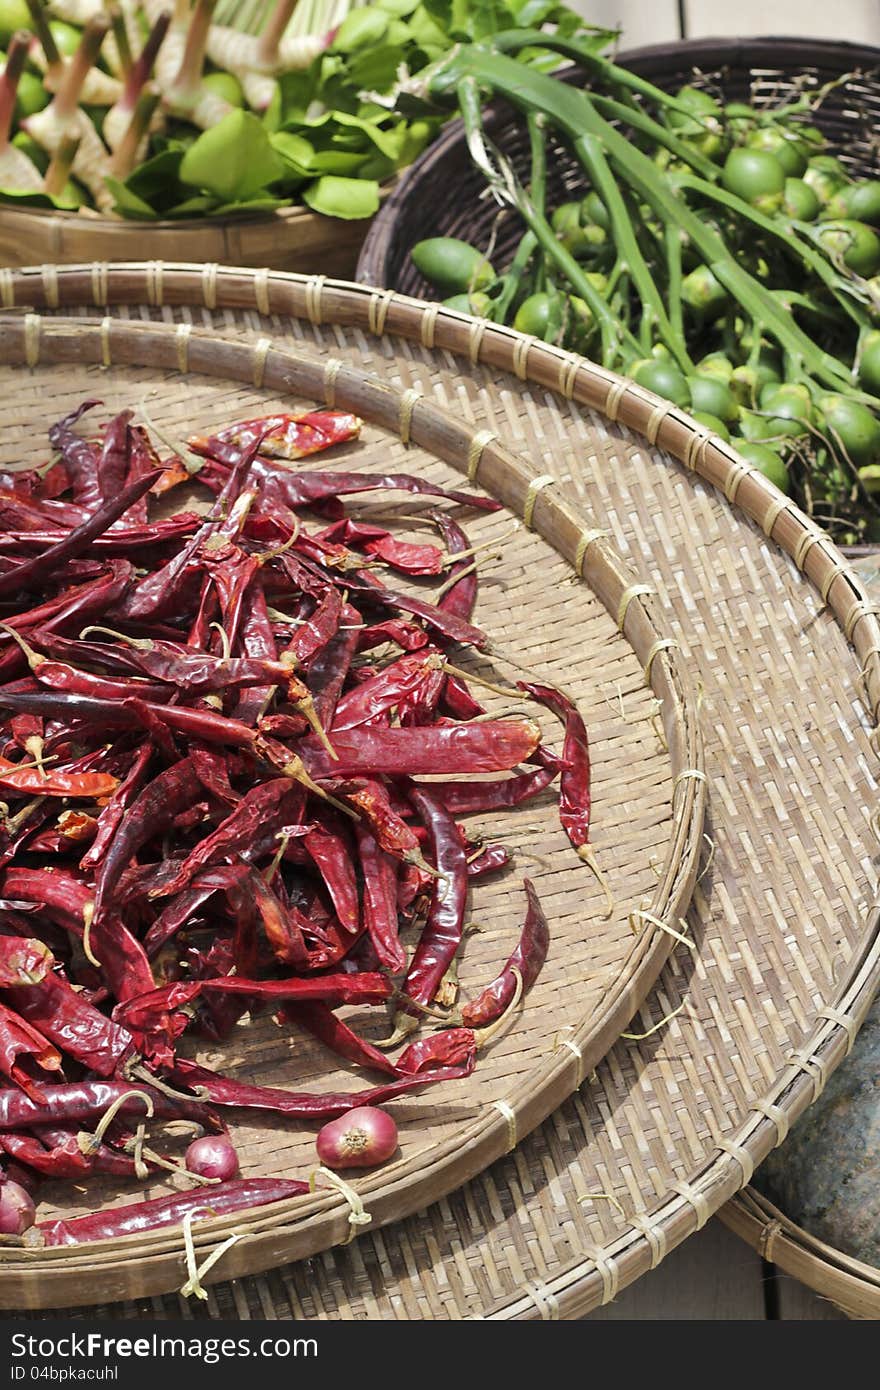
(350, 199)
(34, 199)
(375, 70)
(202, 205)
(128, 204)
(301, 156)
(157, 182)
(234, 159)
(250, 205)
(363, 28)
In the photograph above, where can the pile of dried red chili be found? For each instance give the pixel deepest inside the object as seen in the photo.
(214, 734)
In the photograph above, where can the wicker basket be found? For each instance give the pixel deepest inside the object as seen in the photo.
(764, 70)
(289, 239)
(649, 794)
(750, 1017)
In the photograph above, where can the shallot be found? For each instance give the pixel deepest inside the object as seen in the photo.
(361, 1138)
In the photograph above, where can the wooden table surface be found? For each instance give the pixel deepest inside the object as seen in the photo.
(715, 1277)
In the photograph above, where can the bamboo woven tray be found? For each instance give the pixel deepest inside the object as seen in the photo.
(597, 638)
(743, 1030)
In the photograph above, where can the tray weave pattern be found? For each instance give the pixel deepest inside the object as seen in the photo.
(599, 641)
(783, 646)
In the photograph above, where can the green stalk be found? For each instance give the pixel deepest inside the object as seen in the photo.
(512, 192)
(512, 277)
(789, 235)
(640, 120)
(538, 182)
(575, 116)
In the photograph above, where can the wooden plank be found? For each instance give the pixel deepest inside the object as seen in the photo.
(641, 23)
(712, 1276)
(855, 20)
(797, 1303)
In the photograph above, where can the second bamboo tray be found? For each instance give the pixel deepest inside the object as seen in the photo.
(555, 601)
(781, 638)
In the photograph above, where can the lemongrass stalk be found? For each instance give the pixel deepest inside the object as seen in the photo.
(268, 44)
(63, 117)
(132, 146)
(77, 12)
(17, 171)
(118, 119)
(60, 165)
(119, 34)
(186, 96)
(96, 88)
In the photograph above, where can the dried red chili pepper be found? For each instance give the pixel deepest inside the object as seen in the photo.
(380, 901)
(75, 1027)
(223, 1090)
(20, 1040)
(23, 961)
(441, 937)
(137, 1217)
(495, 746)
(87, 1101)
(33, 571)
(528, 960)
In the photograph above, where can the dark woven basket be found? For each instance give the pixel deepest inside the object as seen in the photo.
(444, 195)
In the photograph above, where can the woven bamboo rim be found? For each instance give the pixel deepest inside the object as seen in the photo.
(694, 1107)
(300, 1227)
(286, 239)
(850, 1284)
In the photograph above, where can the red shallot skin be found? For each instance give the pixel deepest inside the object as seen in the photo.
(212, 1157)
(17, 1210)
(361, 1138)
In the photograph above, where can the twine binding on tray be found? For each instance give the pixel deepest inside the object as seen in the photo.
(377, 310)
(767, 1240)
(314, 289)
(696, 449)
(626, 598)
(155, 273)
(663, 644)
(740, 1156)
(844, 1021)
(193, 1286)
(731, 487)
(777, 506)
(428, 325)
(510, 1116)
(655, 421)
(535, 486)
(804, 546)
(182, 336)
(100, 283)
(261, 292)
(49, 277)
(857, 612)
(695, 1199)
(813, 1067)
(546, 1302)
(7, 288)
(520, 358)
(578, 1056)
(209, 284)
(106, 325)
(825, 588)
(476, 333)
(585, 540)
(609, 1272)
(32, 325)
(357, 1216)
(569, 366)
(262, 348)
(654, 1235)
(408, 402)
(476, 447)
(616, 392)
(776, 1115)
(332, 369)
